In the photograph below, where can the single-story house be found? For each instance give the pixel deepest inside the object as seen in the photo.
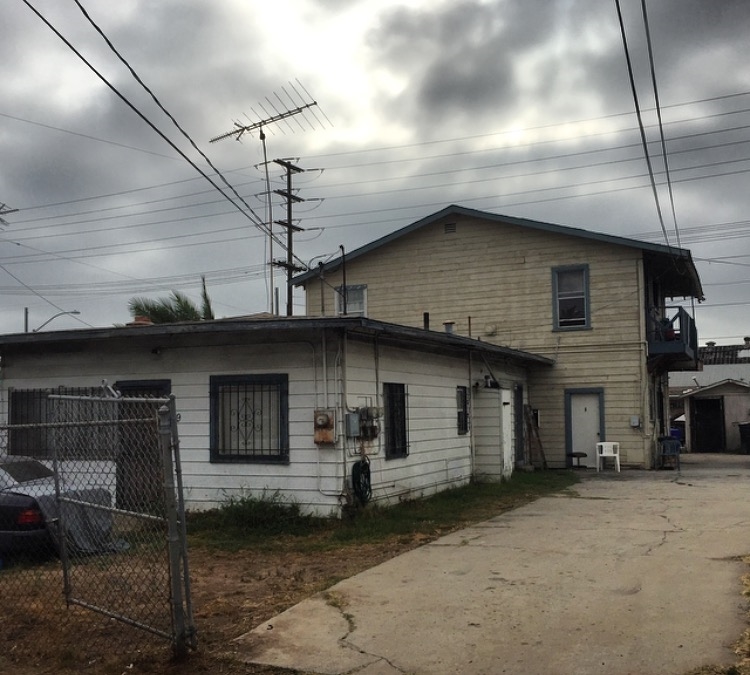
(716, 417)
(288, 405)
(715, 397)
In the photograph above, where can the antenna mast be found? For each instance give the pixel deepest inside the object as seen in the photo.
(300, 105)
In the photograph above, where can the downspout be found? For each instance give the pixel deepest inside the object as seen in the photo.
(324, 365)
(341, 380)
(323, 347)
(343, 281)
(321, 279)
(377, 389)
(472, 441)
(645, 378)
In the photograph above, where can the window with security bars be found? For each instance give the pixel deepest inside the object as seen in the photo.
(29, 413)
(396, 420)
(249, 418)
(462, 410)
(39, 426)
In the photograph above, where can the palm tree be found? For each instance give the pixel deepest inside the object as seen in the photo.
(175, 307)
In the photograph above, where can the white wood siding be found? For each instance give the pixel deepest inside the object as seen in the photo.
(438, 456)
(315, 476)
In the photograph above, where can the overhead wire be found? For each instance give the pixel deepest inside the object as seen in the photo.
(638, 187)
(248, 213)
(421, 158)
(390, 178)
(401, 209)
(644, 141)
(657, 105)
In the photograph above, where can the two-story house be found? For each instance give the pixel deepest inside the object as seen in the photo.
(596, 304)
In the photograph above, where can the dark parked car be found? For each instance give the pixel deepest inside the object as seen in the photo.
(30, 510)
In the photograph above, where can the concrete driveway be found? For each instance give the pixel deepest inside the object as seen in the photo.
(637, 572)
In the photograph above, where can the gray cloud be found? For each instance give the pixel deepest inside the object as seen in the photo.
(471, 71)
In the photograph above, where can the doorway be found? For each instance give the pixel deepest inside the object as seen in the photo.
(707, 425)
(584, 423)
(518, 426)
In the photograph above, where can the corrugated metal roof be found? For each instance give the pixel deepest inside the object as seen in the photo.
(715, 355)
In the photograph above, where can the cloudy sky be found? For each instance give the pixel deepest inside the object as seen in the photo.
(520, 107)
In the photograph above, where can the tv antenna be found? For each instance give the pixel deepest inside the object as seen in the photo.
(4, 211)
(291, 105)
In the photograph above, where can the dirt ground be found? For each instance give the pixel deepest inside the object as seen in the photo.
(232, 593)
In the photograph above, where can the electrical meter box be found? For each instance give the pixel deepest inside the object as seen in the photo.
(325, 427)
(352, 425)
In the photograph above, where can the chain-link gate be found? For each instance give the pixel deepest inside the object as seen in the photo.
(110, 506)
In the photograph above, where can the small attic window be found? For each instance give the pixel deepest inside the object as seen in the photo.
(450, 228)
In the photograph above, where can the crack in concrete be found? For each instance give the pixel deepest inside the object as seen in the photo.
(338, 601)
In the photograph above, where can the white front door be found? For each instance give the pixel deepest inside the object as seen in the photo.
(585, 425)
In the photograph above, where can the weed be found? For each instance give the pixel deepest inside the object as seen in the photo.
(270, 522)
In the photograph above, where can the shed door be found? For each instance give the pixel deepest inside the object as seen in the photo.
(707, 425)
(585, 421)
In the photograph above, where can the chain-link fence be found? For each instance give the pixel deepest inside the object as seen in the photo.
(92, 528)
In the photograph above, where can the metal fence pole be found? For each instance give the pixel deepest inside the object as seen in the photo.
(190, 628)
(174, 545)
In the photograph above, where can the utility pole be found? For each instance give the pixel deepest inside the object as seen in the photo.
(291, 199)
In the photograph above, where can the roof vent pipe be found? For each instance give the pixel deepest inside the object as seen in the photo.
(747, 341)
(449, 326)
(426, 321)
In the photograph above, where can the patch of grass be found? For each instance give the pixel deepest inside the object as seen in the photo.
(245, 521)
(269, 522)
(451, 509)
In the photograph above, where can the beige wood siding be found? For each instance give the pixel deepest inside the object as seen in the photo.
(495, 282)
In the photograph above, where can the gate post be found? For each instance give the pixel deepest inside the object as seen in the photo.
(173, 534)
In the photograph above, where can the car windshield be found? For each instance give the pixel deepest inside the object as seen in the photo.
(27, 470)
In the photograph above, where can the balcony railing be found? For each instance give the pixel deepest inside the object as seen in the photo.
(673, 338)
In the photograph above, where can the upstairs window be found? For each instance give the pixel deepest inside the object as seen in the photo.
(570, 289)
(356, 300)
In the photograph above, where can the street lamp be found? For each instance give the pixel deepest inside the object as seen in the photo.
(54, 316)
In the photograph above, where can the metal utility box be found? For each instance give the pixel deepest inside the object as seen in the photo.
(352, 425)
(325, 427)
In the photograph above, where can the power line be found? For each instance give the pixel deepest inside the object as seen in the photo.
(250, 214)
(391, 178)
(641, 128)
(399, 209)
(657, 105)
(426, 143)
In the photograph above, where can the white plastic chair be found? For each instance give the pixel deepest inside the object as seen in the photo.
(607, 450)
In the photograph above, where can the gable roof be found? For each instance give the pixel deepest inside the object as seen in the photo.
(684, 280)
(711, 387)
